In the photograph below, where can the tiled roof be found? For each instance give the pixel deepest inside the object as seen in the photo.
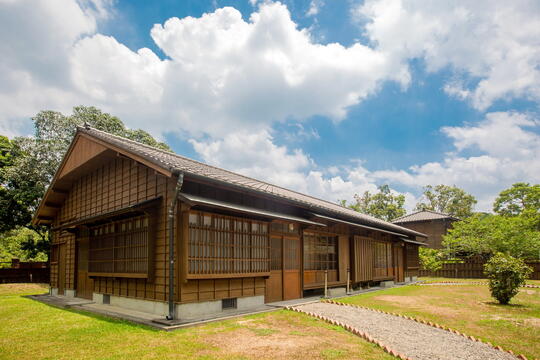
(174, 162)
(423, 215)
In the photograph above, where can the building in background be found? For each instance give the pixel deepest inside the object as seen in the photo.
(431, 223)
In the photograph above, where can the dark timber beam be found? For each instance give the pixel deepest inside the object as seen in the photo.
(53, 204)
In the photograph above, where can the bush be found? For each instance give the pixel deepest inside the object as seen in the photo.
(506, 274)
(430, 259)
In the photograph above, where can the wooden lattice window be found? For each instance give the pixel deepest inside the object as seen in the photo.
(320, 251)
(120, 248)
(226, 246)
(382, 258)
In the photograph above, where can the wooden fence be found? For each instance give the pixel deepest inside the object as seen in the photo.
(472, 269)
(40, 275)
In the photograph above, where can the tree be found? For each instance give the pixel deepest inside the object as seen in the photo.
(486, 235)
(33, 161)
(446, 199)
(383, 204)
(21, 244)
(430, 259)
(521, 197)
(506, 274)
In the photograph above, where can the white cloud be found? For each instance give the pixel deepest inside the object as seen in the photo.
(222, 73)
(509, 147)
(314, 7)
(36, 40)
(494, 42)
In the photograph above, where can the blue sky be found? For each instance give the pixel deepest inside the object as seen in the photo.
(327, 97)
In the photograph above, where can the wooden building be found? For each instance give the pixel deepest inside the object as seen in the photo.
(116, 207)
(431, 223)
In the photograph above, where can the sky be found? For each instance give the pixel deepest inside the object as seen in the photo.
(329, 98)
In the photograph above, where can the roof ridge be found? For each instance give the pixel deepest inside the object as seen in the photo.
(84, 129)
(411, 215)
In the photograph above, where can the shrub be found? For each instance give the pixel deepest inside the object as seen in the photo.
(430, 259)
(506, 274)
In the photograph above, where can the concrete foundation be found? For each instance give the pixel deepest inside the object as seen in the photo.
(387, 284)
(414, 278)
(69, 293)
(340, 291)
(407, 279)
(54, 291)
(186, 311)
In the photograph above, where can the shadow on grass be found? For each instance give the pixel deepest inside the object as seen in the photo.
(502, 306)
(100, 317)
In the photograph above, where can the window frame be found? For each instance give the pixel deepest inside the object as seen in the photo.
(141, 243)
(224, 246)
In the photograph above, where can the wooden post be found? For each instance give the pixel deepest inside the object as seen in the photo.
(325, 284)
(348, 281)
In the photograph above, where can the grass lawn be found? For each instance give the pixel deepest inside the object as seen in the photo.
(469, 309)
(32, 330)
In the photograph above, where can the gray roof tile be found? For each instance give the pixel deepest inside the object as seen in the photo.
(175, 162)
(423, 215)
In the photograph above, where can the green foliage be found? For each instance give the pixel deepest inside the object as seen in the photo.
(506, 274)
(5, 152)
(23, 244)
(430, 259)
(488, 234)
(382, 204)
(520, 198)
(446, 199)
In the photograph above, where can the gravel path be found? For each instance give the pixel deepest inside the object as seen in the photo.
(412, 339)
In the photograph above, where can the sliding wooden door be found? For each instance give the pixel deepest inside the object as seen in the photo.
(284, 281)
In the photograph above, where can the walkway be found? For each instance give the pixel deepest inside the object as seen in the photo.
(407, 337)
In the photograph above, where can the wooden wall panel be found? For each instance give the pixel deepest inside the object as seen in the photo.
(362, 259)
(209, 290)
(344, 261)
(83, 151)
(116, 184)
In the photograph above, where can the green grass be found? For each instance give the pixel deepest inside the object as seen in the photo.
(32, 330)
(469, 309)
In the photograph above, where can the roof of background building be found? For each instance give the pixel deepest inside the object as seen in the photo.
(174, 162)
(423, 215)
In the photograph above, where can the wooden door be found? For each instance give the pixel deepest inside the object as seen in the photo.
(85, 285)
(398, 264)
(285, 276)
(291, 268)
(274, 284)
(61, 268)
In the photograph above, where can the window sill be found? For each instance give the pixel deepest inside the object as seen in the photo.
(122, 275)
(226, 276)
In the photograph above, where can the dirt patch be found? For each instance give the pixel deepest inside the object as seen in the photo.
(274, 339)
(533, 322)
(403, 300)
(419, 302)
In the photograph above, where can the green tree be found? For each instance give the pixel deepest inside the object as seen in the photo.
(383, 204)
(16, 244)
(446, 199)
(506, 274)
(521, 197)
(430, 259)
(486, 235)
